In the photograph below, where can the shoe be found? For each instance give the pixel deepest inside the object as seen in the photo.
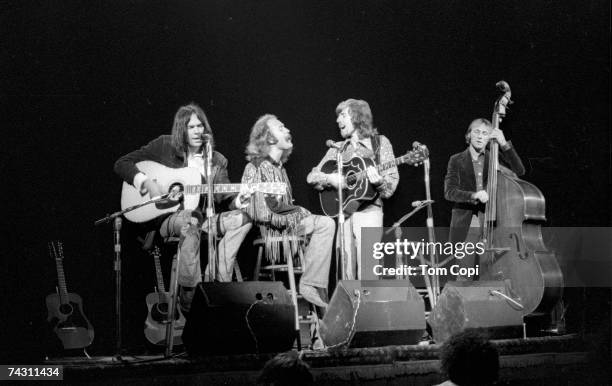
(311, 294)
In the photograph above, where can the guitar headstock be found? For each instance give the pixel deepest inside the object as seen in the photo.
(60, 249)
(155, 252)
(56, 249)
(417, 155)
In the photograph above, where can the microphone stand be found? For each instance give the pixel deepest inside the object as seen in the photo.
(117, 268)
(210, 212)
(117, 222)
(435, 291)
(342, 271)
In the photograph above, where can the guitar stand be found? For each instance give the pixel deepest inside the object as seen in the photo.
(173, 302)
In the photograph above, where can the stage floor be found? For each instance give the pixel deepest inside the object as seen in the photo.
(557, 360)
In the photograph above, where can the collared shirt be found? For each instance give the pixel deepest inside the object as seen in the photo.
(478, 159)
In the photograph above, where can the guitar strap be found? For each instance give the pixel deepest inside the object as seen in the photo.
(376, 148)
(375, 140)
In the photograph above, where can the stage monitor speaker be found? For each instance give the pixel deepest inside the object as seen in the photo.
(239, 317)
(373, 313)
(476, 305)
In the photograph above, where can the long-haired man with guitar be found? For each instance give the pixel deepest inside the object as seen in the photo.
(183, 150)
(269, 147)
(361, 140)
(466, 180)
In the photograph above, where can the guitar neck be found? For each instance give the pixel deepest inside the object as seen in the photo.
(390, 164)
(217, 188)
(160, 278)
(379, 168)
(264, 187)
(61, 281)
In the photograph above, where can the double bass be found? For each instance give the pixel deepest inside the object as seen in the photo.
(514, 248)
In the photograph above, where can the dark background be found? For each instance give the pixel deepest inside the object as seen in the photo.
(84, 82)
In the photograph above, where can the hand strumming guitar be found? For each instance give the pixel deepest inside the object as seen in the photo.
(152, 187)
(332, 180)
(373, 176)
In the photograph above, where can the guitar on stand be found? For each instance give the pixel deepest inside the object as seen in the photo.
(158, 305)
(66, 308)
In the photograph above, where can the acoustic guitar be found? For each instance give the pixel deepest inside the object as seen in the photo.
(157, 303)
(65, 309)
(358, 190)
(183, 186)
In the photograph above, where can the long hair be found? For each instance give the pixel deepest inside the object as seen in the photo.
(361, 116)
(260, 140)
(179, 128)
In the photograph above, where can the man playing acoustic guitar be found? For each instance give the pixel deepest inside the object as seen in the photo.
(361, 140)
(185, 148)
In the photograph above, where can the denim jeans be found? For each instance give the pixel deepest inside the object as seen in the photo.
(236, 226)
(317, 257)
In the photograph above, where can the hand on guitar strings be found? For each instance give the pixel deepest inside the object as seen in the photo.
(243, 199)
(332, 180)
(373, 176)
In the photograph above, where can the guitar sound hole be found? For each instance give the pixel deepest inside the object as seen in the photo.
(174, 198)
(162, 308)
(349, 178)
(159, 312)
(175, 190)
(65, 309)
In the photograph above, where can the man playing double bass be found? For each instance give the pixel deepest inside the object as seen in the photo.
(465, 182)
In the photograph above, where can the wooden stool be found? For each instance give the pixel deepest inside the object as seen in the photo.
(293, 266)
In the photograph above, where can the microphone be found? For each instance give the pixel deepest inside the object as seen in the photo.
(332, 144)
(205, 137)
(421, 203)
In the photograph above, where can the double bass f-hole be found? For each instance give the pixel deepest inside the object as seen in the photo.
(521, 255)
